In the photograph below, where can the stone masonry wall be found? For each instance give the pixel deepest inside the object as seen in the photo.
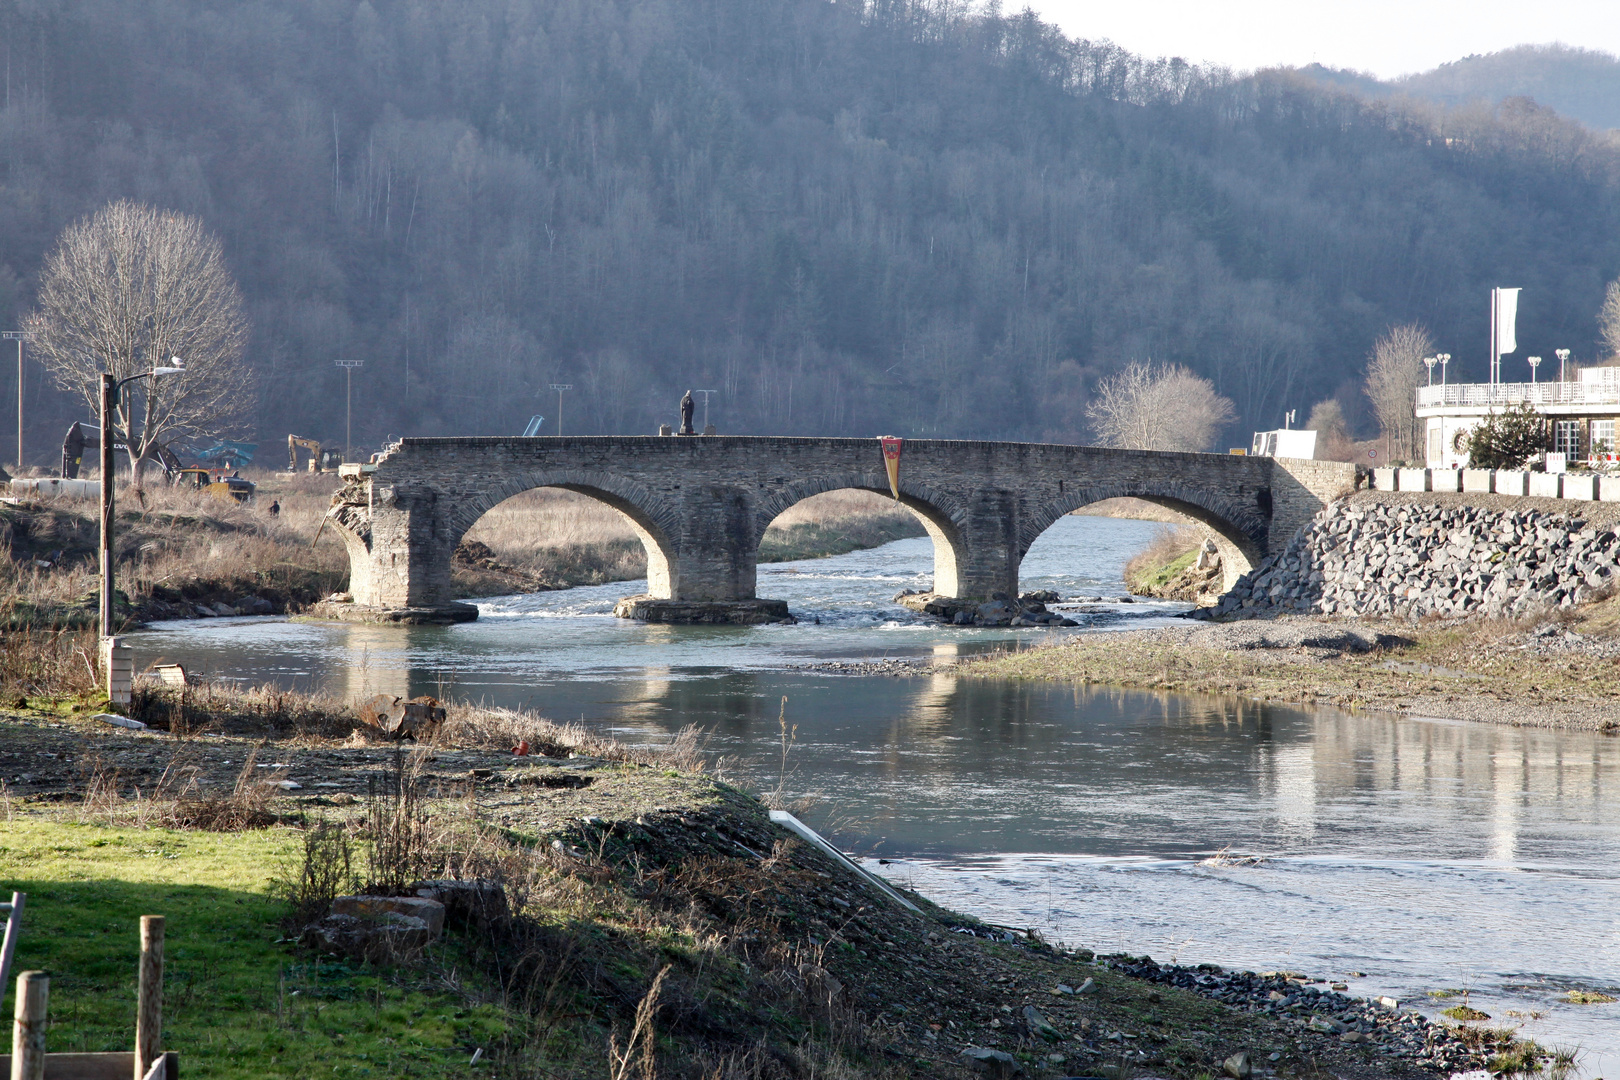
(1407, 559)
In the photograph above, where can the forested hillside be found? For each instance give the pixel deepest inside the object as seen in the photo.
(1582, 84)
(847, 218)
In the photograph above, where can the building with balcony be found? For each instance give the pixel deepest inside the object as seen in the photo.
(1580, 415)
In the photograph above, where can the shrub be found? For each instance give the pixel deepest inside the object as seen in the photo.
(1506, 440)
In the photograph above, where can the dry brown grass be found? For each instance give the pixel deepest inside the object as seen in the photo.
(177, 800)
(1170, 543)
(172, 544)
(502, 729)
(46, 663)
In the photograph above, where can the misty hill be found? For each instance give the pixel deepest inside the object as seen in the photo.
(846, 218)
(1583, 84)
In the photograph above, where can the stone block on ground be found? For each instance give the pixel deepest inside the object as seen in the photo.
(1608, 488)
(1383, 479)
(393, 939)
(376, 908)
(1445, 479)
(1476, 480)
(992, 1063)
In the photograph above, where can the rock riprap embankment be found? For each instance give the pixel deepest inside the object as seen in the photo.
(1328, 1014)
(1411, 560)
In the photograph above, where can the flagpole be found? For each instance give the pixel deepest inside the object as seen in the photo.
(1493, 336)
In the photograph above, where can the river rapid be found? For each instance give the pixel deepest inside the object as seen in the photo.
(1402, 856)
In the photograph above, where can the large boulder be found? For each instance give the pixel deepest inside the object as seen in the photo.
(401, 718)
(478, 904)
(393, 939)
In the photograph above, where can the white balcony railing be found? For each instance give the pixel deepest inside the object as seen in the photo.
(1547, 393)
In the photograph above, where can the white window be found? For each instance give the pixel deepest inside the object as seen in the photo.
(1603, 437)
(1567, 438)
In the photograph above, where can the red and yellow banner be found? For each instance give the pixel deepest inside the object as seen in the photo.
(891, 460)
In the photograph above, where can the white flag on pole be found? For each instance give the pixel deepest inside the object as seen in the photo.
(1507, 312)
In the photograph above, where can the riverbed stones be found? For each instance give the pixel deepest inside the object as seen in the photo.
(1413, 561)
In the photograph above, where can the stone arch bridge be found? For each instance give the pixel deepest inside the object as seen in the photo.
(701, 504)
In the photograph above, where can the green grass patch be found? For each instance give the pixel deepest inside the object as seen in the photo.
(238, 1002)
(1159, 578)
(1464, 1012)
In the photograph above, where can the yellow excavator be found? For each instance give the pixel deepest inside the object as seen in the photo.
(319, 461)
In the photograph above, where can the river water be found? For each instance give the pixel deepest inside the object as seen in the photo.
(1402, 856)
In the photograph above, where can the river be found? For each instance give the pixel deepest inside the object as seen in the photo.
(1401, 855)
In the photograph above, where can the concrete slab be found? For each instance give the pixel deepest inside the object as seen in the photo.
(1582, 486)
(1412, 479)
(1609, 489)
(1510, 482)
(1544, 485)
(1476, 479)
(1383, 479)
(1445, 479)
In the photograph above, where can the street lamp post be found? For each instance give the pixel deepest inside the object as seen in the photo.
(19, 336)
(1535, 362)
(1429, 362)
(348, 367)
(560, 387)
(1444, 358)
(110, 387)
(1563, 357)
(705, 394)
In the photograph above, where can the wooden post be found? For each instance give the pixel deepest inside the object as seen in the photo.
(28, 1034)
(149, 1014)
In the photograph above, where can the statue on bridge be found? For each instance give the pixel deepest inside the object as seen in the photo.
(687, 407)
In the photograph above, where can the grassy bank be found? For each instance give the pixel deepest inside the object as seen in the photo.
(662, 925)
(1554, 671)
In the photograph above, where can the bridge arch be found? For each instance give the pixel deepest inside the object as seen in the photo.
(654, 521)
(941, 514)
(1240, 534)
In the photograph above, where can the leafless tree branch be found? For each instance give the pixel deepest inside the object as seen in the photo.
(127, 289)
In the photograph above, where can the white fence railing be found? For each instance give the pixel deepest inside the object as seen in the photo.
(1548, 393)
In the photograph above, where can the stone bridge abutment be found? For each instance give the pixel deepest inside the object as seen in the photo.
(701, 505)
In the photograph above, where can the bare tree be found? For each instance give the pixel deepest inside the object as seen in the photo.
(125, 290)
(1332, 433)
(1393, 377)
(1609, 318)
(1163, 407)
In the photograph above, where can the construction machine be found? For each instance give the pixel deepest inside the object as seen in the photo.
(82, 436)
(216, 483)
(319, 460)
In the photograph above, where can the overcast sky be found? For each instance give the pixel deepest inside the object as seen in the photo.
(1385, 37)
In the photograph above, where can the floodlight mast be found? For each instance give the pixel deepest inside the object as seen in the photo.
(19, 336)
(560, 387)
(705, 394)
(348, 367)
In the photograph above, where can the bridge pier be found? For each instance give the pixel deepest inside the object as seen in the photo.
(701, 506)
